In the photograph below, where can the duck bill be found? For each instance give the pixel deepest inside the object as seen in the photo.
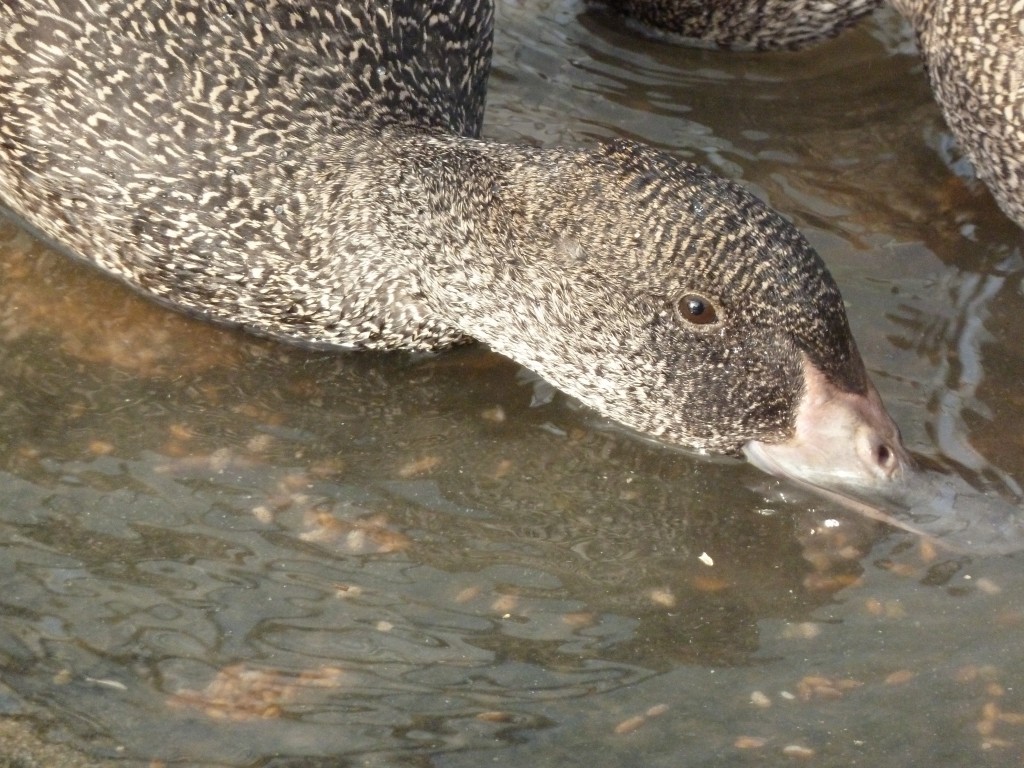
(842, 442)
(847, 448)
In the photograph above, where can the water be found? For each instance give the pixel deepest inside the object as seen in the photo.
(219, 551)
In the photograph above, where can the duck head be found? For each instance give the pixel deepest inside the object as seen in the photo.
(674, 302)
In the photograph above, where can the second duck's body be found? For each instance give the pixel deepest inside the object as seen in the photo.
(973, 51)
(757, 25)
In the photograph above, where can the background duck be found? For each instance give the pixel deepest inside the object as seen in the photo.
(310, 172)
(973, 51)
(757, 25)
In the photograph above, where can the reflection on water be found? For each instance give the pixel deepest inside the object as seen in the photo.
(221, 551)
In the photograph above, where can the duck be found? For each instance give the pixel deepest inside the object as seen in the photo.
(973, 52)
(313, 172)
(742, 25)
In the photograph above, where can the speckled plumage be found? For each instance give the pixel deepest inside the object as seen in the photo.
(307, 170)
(760, 25)
(974, 52)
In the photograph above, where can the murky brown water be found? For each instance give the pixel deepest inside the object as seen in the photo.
(221, 551)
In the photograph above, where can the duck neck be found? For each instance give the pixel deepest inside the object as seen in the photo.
(478, 241)
(499, 235)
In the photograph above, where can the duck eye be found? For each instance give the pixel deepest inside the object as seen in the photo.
(697, 309)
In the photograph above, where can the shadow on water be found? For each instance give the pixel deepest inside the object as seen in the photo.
(222, 551)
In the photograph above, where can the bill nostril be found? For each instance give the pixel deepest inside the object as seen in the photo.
(884, 455)
(879, 454)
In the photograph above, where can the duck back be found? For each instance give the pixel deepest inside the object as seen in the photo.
(190, 148)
